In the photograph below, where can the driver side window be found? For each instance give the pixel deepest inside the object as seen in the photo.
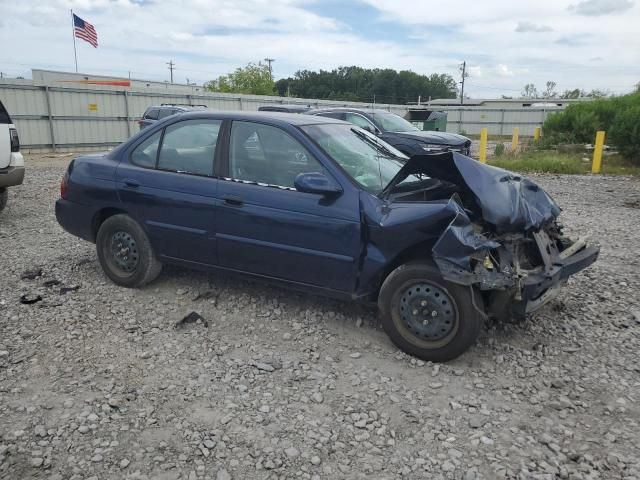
(265, 154)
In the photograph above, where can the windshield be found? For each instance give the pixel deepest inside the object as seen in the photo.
(367, 159)
(390, 122)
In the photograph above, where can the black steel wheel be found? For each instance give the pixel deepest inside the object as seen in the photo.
(428, 312)
(426, 316)
(125, 253)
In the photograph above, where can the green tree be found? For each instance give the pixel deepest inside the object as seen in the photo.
(382, 85)
(255, 79)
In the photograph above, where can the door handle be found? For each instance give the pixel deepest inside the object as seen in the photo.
(131, 183)
(233, 201)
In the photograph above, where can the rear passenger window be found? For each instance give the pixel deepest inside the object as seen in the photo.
(145, 154)
(165, 112)
(189, 146)
(265, 154)
(152, 114)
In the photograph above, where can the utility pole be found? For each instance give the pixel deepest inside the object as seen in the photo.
(270, 61)
(463, 69)
(172, 66)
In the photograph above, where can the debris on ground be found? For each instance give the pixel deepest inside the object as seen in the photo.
(192, 317)
(31, 274)
(30, 298)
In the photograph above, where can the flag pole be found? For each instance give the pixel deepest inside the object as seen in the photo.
(73, 33)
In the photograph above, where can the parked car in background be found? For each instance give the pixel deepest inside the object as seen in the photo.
(398, 132)
(155, 113)
(285, 108)
(11, 161)
(438, 241)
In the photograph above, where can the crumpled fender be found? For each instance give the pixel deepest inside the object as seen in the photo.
(452, 252)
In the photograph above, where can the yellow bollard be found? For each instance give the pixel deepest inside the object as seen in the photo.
(536, 134)
(483, 145)
(597, 152)
(514, 139)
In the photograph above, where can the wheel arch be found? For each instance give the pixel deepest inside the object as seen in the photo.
(418, 252)
(100, 216)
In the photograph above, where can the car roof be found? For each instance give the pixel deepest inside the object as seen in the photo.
(284, 108)
(274, 117)
(349, 109)
(177, 106)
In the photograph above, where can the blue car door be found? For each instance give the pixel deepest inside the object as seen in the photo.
(166, 183)
(264, 226)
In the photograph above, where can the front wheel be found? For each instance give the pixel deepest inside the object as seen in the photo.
(125, 253)
(426, 316)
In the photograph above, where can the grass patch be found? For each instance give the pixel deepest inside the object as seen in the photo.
(552, 162)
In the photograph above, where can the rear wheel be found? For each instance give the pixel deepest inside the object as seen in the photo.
(125, 253)
(426, 316)
(4, 197)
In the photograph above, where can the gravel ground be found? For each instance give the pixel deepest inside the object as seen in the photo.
(97, 383)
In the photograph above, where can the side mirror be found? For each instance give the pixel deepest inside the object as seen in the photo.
(316, 182)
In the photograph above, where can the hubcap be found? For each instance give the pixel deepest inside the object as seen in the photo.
(427, 311)
(124, 251)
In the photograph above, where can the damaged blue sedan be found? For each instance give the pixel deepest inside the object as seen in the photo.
(439, 242)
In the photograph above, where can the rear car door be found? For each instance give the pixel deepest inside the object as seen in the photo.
(167, 185)
(264, 226)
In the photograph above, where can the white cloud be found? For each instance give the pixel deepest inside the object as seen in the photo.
(601, 7)
(524, 27)
(504, 71)
(207, 38)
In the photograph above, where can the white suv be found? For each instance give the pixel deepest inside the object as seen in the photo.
(11, 161)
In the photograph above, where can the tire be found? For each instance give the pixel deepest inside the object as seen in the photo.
(4, 197)
(135, 263)
(426, 316)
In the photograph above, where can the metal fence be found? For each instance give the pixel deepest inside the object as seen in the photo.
(52, 117)
(497, 121)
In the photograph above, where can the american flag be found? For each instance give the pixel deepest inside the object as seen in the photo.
(85, 31)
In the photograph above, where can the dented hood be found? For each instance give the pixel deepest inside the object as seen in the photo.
(505, 200)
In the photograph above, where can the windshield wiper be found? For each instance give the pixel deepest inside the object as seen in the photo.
(371, 141)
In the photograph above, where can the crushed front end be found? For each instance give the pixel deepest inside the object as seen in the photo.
(517, 272)
(504, 237)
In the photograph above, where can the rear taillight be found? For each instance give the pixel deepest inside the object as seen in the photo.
(15, 140)
(63, 186)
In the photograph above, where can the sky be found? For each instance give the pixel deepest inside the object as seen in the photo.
(585, 44)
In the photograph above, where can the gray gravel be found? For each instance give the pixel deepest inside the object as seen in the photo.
(99, 383)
